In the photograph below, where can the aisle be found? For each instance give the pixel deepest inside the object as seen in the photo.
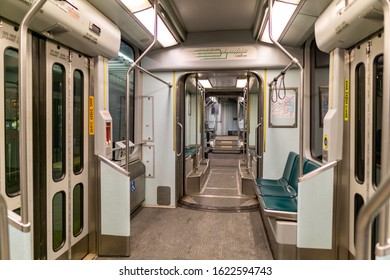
(222, 189)
(177, 234)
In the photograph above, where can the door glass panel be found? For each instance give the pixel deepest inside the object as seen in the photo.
(360, 126)
(319, 83)
(78, 213)
(117, 69)
(58, 221)
(377, 135)
(11, 118)
(78, 117)
(58, 123)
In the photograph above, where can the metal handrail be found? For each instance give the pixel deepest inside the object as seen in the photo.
(114, 165)
(294, 61)
(135, 65)
(23, 97)
(4, 237)
(385, 161)
(371, 209)
(260, 124)
(318, 171)
(181, 140)
(152, 75)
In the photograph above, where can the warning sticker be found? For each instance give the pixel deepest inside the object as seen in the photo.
(91, 116)
(346, 100)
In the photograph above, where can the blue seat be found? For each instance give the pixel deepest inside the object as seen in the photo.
(284, 204)
(309, 167)
(283, 181)
(280, 191)
(280, 200)
(269, 187)
(291, 188)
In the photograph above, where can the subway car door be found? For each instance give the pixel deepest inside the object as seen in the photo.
(67, 86)
(365, 72)
(9, 124)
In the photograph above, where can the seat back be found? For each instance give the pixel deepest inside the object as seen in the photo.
(293, 181)
(309, 167)
(290, 165)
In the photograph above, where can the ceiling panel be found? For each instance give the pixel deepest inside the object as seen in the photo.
(129, 27)
(301, 26)
(215, 15)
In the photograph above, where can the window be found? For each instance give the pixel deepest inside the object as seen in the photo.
(360, 104)
(377, 119)
(78, 121)
(11, 126)
(58, 122)
(319, 83)
(78, 213)
(117, 69)
(58, 221)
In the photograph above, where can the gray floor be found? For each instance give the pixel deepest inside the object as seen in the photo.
(181, 233)
(222, 189)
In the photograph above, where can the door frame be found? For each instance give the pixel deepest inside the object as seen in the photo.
(179, 124)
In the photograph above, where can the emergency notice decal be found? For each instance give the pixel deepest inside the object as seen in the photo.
(91, 116)
(70, 8)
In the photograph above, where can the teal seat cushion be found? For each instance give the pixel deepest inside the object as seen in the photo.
(280, 191)
(189, 151)
(309, 167)
(285, 204)
(271, 182)
(291, 164)
(293, 181)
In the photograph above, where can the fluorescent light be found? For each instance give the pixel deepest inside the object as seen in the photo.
(164, 36)
(136, 5)
(340, 6)
(125, 57)
(240, 83)
(205, 83)
(295, 2)
(281, 14)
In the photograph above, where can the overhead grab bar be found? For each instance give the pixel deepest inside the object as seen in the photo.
(23, 97)
(294, 61)
(152, 75)
(282, 86)
(365, 216)
(135, 65)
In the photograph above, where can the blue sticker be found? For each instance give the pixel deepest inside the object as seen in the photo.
(132, 186)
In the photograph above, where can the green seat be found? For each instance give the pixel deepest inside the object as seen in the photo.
(293, 182)
(280, 191)
(284, 204)
(189, 151)
(309, 167)
(284, 188)
(283, 181)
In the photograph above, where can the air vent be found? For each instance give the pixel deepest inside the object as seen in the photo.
(163, 195)
(56, 30)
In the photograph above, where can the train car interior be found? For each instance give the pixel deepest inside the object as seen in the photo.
(196, 129)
